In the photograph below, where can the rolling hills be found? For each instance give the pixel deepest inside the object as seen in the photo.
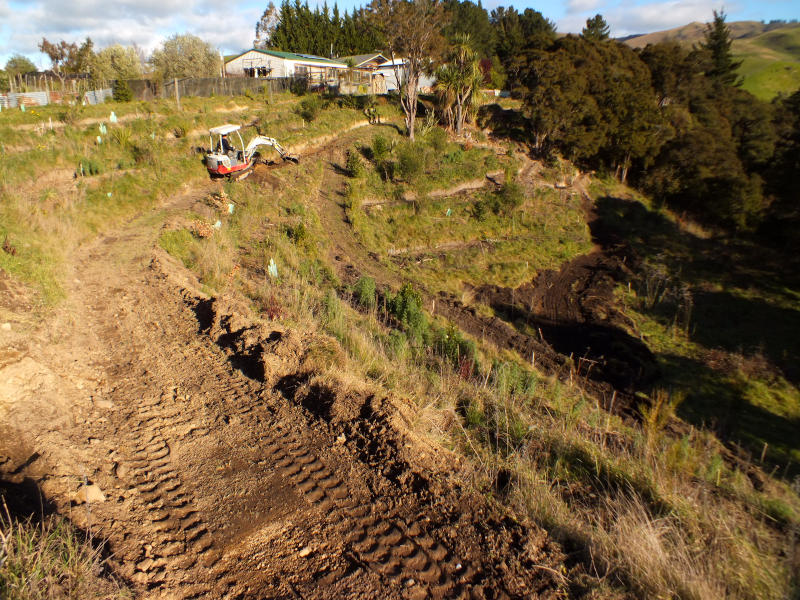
(770, 52)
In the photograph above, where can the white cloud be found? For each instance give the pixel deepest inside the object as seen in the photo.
(583, 6)
(627, 18)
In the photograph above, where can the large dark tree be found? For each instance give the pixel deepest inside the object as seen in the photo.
(467, 18)
(594, 102)
(323, 32)
(519, 37)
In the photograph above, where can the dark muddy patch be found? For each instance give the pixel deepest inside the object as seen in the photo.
(573, 311)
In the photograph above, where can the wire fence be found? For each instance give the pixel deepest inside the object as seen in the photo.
(43, 90)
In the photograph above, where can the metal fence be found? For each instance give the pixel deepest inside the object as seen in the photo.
(43, 98)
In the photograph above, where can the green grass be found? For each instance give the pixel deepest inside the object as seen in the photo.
(770, 62)
(46, 214)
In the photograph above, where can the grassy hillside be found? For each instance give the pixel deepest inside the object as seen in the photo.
(770, 55)
(654, 499)
(770, 62)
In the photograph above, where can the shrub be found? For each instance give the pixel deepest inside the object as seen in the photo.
(410, 161)
(71, 115)
(381, 148)
(299, 86)
(479, 210)
(355, 168)
(310, 108)
(142, 152)
(406, 308)
(451, 345)
(297, 233)
(121, 91)
(437, 140)
(122, 136)
(89, 166)
(364, 292)
(511, 196)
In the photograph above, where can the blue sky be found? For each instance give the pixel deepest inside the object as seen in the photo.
(229, 24)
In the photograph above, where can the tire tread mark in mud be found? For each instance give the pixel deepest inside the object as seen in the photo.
(389, 546)
(181, 542)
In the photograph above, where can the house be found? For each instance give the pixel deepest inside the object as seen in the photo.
(272, 63)
(387, 69)
(381, 67)
(364, 61)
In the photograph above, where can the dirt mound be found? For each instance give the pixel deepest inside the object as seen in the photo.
(574, 311)
(261, 174)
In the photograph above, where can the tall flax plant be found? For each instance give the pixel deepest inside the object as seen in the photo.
(458, 82)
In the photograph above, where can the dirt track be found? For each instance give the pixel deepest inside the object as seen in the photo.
(228, 469)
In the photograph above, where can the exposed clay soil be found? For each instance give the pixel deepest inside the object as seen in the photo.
(228, 467)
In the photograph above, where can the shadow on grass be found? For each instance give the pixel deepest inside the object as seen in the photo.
(741, 302)
(505, 123)
(717, 401)
(720, 319)
(748, 325)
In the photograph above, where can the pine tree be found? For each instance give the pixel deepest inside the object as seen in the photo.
(718, 44)
(596, 29)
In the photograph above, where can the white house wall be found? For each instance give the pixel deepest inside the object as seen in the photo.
(279, 67)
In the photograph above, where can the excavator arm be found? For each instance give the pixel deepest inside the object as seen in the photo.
(268, 141)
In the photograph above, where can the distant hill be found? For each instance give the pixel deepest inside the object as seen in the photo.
(770, 52)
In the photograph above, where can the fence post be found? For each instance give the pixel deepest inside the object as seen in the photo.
(177, 94)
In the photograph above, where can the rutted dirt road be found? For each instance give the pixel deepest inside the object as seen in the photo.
(218, 464)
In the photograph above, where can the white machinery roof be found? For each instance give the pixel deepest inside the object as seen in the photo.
(223, 129)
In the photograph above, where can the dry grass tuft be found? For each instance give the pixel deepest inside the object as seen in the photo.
(51, 559)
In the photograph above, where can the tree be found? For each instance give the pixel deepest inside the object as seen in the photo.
(718, 43)
(411, 29)
(458, 81)
(596, 29)
(19, 65)
(265, 28)
(186, 56)
(519, 37)
(595, 103)
(68, 58)
(466, 17)
(116, 62)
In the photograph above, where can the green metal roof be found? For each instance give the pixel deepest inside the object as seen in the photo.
(309, 58)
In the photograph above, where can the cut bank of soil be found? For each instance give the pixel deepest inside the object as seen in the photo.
(229, 469)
